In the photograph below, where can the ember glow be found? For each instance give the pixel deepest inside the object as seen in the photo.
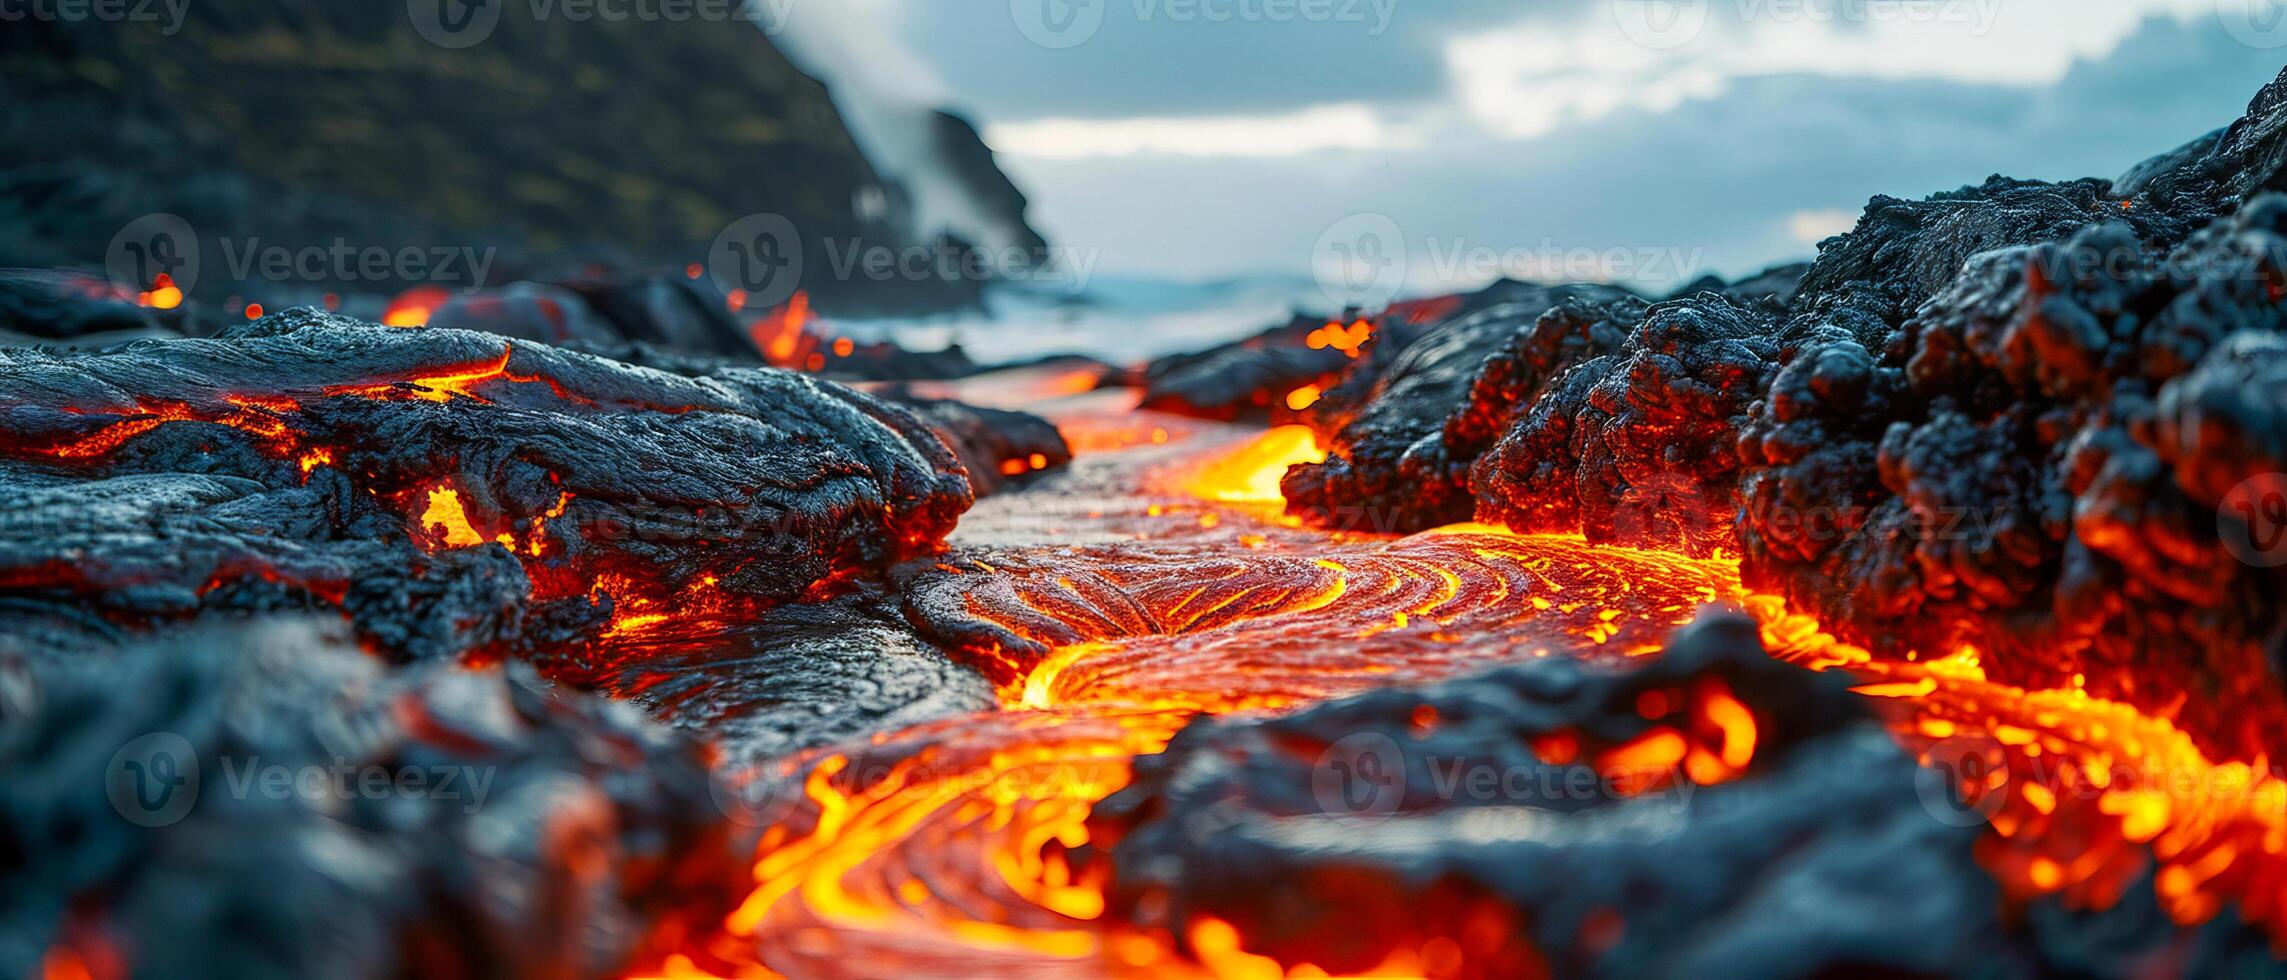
(163, 294)
(783, 335)
(1335, 335)
(415, 306)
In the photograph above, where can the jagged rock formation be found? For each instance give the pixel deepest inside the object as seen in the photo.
(2034, 464)
(1398, 454)
(1778, 282)
(2006, 417)
(1637, 445)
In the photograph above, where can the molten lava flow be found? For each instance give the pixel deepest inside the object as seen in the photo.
(440, 387)
(946, 848)
(2082, 794)
(1252, 474)
(261, 417)
(448, 521)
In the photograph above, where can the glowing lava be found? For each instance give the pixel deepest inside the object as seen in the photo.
(415, 306)
(1251, 475)
(946, 849)
(783, 335)
(1347, 339)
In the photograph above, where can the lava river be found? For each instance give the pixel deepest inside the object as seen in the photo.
(1156, 580)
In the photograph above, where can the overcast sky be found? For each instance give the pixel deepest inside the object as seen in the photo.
(1206, 138)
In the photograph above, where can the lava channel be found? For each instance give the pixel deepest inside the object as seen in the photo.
(959, 847)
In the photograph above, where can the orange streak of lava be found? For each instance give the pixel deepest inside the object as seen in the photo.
(435, 387)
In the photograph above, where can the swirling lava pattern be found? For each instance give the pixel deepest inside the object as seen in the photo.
(1177, 627)
(950, 849)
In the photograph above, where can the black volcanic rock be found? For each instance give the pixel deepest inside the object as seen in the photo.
(968, 161)
(2228, 165)
(59, 307)
(1777, 282)
(2035, 465)
(1396, 447)
(264, 800)
(798, 677)
(994, 445)
(1237, 382)
(1903, 252)
(1507, 818)
(1246, 378)
(1549, 868)
(1638, 445)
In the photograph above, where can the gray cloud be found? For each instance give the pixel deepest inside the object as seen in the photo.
(1720, 175)
(1147, 59)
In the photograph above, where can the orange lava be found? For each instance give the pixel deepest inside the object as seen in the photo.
(446, 519)
(783, 335)
(1347, 339)
(163, 294)
(1251, 475)
(943, 849)
(261, 417)
(441, 387)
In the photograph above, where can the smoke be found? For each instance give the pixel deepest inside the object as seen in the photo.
(892, 98)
